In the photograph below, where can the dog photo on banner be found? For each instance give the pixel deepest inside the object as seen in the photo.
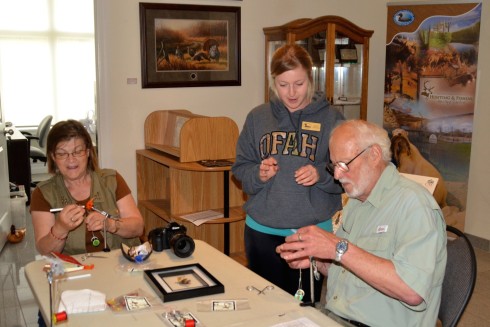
(429, 98)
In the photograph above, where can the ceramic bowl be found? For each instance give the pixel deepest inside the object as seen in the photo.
(137, 253)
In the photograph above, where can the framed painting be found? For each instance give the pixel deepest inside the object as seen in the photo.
(189, 45)
(182, 282)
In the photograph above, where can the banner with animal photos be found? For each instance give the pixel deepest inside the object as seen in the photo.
(430, 91)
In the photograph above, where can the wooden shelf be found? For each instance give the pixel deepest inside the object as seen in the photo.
(160, 207)
(171, 161)
(170, 184)
(191, 137)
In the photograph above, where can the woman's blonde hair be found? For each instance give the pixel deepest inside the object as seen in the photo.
(289, 57)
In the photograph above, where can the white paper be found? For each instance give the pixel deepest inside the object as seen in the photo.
(301, 322)
(201, 217)
(82, 301)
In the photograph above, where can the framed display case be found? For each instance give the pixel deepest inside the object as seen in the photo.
(340, 53)
(183, 282)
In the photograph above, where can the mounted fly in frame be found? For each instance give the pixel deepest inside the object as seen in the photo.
(189, 45)
(182, 282)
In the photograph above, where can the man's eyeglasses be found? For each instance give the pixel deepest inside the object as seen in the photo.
(75, 154)
(343, 166)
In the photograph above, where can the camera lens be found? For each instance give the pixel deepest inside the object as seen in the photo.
(156, 240)
(182, 245)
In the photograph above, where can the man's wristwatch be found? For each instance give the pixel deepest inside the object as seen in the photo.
(340, 249)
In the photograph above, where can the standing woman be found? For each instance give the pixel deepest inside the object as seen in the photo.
(282, 153)
(77, 179)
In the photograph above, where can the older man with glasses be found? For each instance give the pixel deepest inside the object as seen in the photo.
(386, 263)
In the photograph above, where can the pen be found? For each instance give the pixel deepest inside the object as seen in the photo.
(59, 209)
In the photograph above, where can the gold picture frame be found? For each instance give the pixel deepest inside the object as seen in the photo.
(189, 45)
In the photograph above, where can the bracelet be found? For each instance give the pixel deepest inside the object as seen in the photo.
(117, 225)
(56, 237)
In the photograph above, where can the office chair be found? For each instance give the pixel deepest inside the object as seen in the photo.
(38, 151)
(460, 278)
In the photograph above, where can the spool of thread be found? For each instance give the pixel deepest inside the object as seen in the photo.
(190, 323)
(60, 316)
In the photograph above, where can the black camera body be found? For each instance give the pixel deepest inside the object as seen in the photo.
(172, 237)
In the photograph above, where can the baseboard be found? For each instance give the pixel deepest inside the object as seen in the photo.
(478, 242)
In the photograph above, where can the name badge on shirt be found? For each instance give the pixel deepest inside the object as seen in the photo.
(309, 126)
(382, 229)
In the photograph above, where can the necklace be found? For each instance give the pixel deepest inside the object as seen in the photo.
(300, 293)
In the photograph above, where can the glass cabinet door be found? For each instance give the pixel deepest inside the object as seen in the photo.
(347, 89)
(339, 50)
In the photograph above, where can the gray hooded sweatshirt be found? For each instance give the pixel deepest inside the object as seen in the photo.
(271, 130)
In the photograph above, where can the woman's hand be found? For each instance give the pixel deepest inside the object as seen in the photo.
(71, 217)
(95, 221)
(306, 175)
(268, 169)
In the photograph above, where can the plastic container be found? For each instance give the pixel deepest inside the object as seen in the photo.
(18, 210)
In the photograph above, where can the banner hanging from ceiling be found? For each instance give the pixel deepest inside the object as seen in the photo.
(430, 91)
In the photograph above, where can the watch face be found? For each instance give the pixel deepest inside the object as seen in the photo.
(342, 246)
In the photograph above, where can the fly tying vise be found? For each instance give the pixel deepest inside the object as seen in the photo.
(90, 206)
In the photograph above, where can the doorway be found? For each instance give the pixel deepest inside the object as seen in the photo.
(5, 218)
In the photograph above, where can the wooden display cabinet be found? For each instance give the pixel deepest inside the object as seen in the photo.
(340, 53)
(171, 182)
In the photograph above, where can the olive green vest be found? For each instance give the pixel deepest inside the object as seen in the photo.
(104, 193)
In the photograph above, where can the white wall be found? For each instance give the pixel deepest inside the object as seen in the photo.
(123, 108)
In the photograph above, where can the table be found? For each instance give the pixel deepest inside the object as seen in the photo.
(274, 307)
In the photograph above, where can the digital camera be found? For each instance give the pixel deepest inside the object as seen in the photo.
(172, 237)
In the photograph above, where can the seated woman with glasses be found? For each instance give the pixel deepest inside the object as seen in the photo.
(81, 204)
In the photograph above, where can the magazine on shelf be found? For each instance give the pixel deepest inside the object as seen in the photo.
(198, 218)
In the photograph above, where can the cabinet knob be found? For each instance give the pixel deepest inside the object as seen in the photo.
(8, 131)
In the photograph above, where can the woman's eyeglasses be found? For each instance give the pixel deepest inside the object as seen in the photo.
(343, 166)
(75, 154)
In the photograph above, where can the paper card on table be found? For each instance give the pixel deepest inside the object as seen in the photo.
(198, 218)
(136, 302)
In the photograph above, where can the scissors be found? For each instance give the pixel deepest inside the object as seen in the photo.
(86, 256)
(253, 288)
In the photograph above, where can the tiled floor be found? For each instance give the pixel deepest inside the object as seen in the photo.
(17, 304)
(19, 309)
